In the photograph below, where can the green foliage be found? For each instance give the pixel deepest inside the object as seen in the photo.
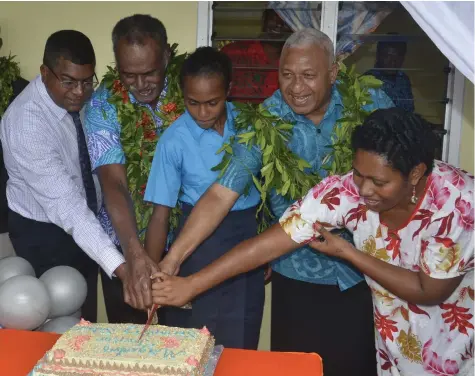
(9, 72)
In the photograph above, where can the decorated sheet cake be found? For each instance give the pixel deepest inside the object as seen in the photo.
(114, 350)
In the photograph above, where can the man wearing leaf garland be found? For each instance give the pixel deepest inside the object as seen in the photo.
(123, 119)
(312, 294)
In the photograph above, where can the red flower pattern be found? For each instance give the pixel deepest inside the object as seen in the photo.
(466, 213)
(169, 107)
(332, 198)
(386, 327)
(358, 213)
(454, 175)
(457, 317)
(437, 194)
(349, 189)
(394, 244)
(325, 185)
(425, 217)
(435, 365)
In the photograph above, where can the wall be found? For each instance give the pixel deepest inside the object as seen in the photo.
(25, 26)
(467, 141)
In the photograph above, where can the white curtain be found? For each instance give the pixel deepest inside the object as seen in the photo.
(450, 25)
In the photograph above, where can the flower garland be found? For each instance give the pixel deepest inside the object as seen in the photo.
(139, 134)
(282, 169)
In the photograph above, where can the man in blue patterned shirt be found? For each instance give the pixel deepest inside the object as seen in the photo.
(142, 54)
(387, 68)
(319, 304)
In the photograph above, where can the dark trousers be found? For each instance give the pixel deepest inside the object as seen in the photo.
(337, 325)
(232, 311)
(46, 245)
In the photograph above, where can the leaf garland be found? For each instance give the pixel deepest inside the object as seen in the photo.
(139, 134)
(282, 169)
(9, 72)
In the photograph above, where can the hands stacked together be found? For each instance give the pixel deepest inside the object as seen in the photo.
(147, 283)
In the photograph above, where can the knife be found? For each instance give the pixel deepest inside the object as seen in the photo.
(151, 315)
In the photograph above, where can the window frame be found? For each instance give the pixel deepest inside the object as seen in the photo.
(455, 86)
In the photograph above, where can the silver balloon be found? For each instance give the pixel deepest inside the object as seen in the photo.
(13, 266)
(59, 324)
(24, 303)
(67, 289)
(76, 314)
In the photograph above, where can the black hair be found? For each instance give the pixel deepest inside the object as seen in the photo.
(399, 45)
(137, 28)
(206, 61)
(70, 45)
(405, 139)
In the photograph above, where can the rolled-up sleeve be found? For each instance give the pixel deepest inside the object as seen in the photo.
(244, 164)
(164, 181)
(54, 188)
(323, 204)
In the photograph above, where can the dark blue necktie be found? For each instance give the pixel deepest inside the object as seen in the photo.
(85, 163)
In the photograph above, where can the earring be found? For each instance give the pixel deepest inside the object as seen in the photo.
(414, 198)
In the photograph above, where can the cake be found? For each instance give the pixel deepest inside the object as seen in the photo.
(114, 350)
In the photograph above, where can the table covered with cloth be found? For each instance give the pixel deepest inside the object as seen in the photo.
(20, 350)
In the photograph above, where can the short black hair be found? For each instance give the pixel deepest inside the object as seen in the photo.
(137, 28)
(404, 138)
(71, 45)
(207, 61)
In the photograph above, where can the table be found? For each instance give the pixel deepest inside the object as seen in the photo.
(20, 350)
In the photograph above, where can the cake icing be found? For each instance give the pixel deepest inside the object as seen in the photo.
(114, 350)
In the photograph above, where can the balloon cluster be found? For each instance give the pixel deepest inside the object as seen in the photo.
(50, 303)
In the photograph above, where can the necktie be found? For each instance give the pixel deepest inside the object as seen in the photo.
(85, 163)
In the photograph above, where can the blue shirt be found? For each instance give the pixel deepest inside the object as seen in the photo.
(309, 142)
(103, 138)
(397, 87)
(185, 155)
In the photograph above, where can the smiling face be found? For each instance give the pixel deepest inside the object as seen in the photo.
(142, 69)
(381, 186)
(305, 80)
(71, 100)
(205, 100)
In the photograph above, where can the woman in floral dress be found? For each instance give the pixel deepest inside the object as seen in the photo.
(412, 219)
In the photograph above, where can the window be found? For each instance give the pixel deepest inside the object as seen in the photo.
(437, 89)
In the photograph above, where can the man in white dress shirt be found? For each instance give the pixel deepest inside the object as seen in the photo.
(51, 192)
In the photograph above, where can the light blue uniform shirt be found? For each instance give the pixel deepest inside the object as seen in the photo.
(309, 142)
(185, 155)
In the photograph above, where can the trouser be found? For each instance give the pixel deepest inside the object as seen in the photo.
(232, 311)
(46, 245)
(337, 325)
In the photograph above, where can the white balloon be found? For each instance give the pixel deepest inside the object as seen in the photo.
(59, 324)
(24, 303)
(67, 289)
(13, 266)
(76, 314)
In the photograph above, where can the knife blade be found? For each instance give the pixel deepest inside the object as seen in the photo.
(149, 320)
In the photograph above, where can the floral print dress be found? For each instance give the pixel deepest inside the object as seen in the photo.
(411, 340)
